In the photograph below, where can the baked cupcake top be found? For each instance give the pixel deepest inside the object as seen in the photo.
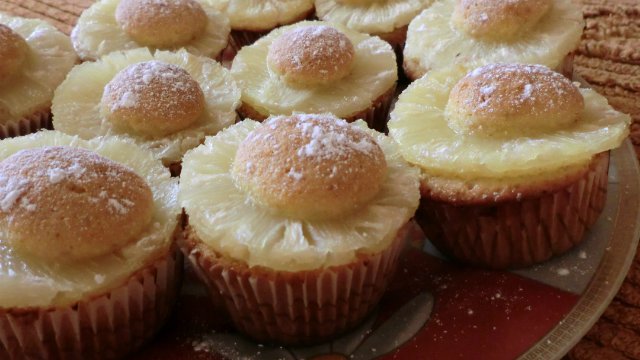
(314, 67)
(34, 59)
(61, 199)
(298, 192)
(116, 25)
(480, 32)
(371, 16)
(503, 122)
(263, 15)
(166, 102)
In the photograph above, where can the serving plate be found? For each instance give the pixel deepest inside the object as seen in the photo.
(435, 309)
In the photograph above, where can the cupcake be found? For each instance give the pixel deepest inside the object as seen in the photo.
(166, 102)
(387, 19)
(34, 59)
(251, 19)
(71, 286)
(296, 224)
(117, 25)
(317, 67)
(474, 33)
(514, 161)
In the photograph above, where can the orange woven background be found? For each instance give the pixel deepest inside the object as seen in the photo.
(608, 58)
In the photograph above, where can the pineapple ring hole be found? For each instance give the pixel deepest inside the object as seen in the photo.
(309, 166)
(498, 20)
(161, 23)
(13, 52)
(63, 204)
(511, 100)
(152, 99)
(314, 55)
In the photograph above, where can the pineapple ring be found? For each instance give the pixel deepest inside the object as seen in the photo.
(310, 166)
(49, 58)
(313, 55)
(434, 42)
(13, 52)
(28, 281)
(374, 72)
(498, 20)
(419, 125)
(76, 104)
(153, 99)
(93, 194)
(222, 217)
(262, 15)
(98, 33)
(512, 99)
(161, 24)
(372, 17)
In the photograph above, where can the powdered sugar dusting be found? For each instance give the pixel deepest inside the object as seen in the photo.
(117, 206)
(487, 89)
(527, 91)
(160, 8)
(479, 13)
(12, 189)
(312, 53)
(56, 175)
(127, 100)
(152, 86)
(331, 139)
(316, 42)
(25, 175)
(550, 86)
(309, 152)
(295, 174)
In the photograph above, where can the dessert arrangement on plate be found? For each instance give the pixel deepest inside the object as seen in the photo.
(331, 179)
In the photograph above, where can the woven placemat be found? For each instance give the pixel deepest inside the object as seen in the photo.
(608, 58)
(61, 13)
(609, 55)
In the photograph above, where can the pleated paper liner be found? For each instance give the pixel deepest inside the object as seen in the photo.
(514, 233)
(396, 39)
(375, 116)
(566, 66)
(40, 119)
(240, 38)
(413, 70)
(298, 308)
(107, 326)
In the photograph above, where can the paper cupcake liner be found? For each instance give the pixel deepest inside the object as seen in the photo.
(376, 116)
(516, 233)
(107, 326)
(566, 66)
(294, 308)
(29, 124)
(413, 70)
(240, 38)
(175, 168)
(396, 39)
